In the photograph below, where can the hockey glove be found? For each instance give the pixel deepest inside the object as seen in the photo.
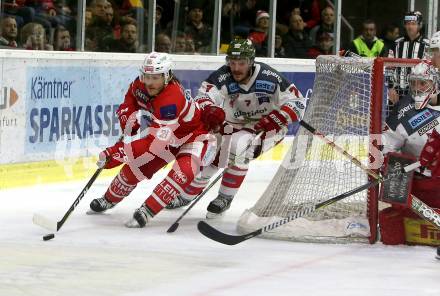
(430, 155)
(274, 121)
(213, 117)
(112, 156)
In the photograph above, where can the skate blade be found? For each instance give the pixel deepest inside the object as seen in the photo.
(132, 223)
(210, 215)
(92, 212)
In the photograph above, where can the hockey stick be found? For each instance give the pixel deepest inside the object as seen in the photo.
(228, 239)
(55, 226)
(175, 225)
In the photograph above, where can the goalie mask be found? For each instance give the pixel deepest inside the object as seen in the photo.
(157, 63)
(423, 81)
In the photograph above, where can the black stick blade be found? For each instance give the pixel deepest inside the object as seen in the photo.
(224, 238)
(173, 227)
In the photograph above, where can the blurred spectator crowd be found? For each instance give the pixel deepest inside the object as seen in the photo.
(304, 28)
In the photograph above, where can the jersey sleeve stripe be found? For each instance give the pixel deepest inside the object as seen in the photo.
(292, 114)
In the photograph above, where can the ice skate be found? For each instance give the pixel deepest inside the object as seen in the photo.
(218, 206)
(140, 218)
(100, 205)
(178, 202)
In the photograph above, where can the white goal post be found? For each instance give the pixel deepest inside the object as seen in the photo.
(349, 106)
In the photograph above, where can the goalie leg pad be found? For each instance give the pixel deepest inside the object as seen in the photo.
(392, 229)
(427, 190)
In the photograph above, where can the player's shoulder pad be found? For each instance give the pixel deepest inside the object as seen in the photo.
(171, 101)
(174, 90)
(220, 77)
(270, 74)
(136, 84)
(403, 109)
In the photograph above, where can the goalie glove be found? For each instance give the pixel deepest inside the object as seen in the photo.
(430, 155)
(275, 120)
(112, 156)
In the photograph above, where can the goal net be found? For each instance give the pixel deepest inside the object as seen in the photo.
(348, 105)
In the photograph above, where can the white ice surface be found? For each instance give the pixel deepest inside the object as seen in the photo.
(97, 255)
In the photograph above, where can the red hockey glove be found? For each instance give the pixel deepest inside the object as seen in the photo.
(213, 117)
(273, 121)
(430, 155)
(112, 156)
(126, 120)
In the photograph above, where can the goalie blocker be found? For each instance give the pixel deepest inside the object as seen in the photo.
(398, 223)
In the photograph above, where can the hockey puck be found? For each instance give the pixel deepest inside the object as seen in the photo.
(48, 237)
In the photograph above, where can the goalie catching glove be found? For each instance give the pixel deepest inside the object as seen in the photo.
(112, 156)
(430, 155)
(275, 120)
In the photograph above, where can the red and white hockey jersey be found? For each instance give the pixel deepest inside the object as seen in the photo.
(171, 108)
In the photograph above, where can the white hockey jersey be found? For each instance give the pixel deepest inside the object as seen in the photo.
(245, 104)
(407, 129)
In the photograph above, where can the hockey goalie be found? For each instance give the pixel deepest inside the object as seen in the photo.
(412, 130)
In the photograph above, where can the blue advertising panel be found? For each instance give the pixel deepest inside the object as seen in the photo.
(78, 104)
(72, 104)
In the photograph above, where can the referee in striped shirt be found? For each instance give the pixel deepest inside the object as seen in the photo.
(412, 46)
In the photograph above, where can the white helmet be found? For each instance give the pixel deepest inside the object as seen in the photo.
(158, 63)
(435, 41)
(423, 81)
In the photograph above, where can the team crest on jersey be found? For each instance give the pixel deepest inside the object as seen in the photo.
(233, 87)
(180, 177)
(168, 112)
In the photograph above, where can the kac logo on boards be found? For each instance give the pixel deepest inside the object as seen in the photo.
(8, 98)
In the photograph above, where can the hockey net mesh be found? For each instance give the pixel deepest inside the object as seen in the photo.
(313, 172)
